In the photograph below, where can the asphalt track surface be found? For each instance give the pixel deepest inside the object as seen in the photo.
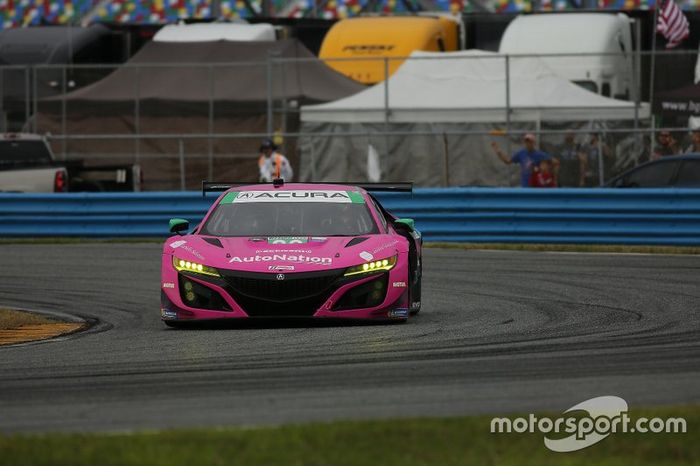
(499, 332)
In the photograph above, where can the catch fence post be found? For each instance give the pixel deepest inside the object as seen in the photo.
(181, 147)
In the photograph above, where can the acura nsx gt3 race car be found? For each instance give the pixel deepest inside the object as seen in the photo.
(293, 250)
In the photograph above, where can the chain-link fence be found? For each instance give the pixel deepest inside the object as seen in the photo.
(440, 120)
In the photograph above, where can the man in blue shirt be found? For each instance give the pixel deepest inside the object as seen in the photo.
(528, 158)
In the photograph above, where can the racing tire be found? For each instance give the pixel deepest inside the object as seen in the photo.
(414, 296)
(176, 324)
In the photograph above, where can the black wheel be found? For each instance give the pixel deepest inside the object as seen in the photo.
(175, 324)
(414, 294)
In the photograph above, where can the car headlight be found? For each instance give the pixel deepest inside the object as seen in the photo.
(372, 266)
(182, 265)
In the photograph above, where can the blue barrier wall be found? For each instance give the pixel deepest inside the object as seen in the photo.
(603, 216)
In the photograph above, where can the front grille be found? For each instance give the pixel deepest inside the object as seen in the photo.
(266, 285)
(299, 294)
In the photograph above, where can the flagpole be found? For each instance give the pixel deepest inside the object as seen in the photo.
(651, 74)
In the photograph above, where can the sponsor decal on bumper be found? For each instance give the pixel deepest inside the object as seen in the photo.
(280, 268)
(400, 313)
(168, 314)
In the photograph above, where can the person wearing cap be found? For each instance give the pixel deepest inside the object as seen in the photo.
(528, 158)
(666, 146)
(272, 164)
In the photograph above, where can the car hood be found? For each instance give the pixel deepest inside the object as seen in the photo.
(283, 254)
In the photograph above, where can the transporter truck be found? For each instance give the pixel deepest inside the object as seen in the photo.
(594, 50)
(360, 44)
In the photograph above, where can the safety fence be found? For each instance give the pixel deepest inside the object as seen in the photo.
(503, 215)
(212, 119)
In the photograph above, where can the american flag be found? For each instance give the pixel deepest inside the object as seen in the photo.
(673, 24)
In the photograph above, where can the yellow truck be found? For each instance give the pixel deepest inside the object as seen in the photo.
(359, 44)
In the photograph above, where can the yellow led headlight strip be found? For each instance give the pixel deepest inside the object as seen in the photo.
(372, 266)
(182, 265)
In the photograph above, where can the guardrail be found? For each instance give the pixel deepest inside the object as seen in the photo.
(505, 215)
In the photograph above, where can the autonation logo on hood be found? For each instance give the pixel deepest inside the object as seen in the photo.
(296, 258)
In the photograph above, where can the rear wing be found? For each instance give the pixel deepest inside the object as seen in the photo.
(399, 187)
(216, 186)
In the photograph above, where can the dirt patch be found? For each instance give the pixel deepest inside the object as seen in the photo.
(22, 326)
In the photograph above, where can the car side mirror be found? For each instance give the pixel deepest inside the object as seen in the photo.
(409, 222)
(178, 225)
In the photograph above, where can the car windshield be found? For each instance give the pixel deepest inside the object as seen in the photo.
(290, 219)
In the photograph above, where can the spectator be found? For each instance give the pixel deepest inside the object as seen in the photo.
(542, 176)
(590, 151)
(527, 158)
(572, 163)
(694, 147)
(272, 164)
(666, 146)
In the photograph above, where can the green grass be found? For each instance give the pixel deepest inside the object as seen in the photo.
(434, 442)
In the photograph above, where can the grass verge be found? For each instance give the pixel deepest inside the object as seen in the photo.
(21, 327)
(405, 442)
(613, 248)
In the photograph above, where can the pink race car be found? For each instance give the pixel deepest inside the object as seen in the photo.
(293, 250)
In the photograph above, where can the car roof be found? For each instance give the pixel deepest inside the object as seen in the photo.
(694, 156)
(297, 187)
(663, 159)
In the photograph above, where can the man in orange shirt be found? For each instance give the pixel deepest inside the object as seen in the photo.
(272, 164)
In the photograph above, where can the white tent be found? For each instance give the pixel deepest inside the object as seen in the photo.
(207, 32)
(469, 87)
(447, 106)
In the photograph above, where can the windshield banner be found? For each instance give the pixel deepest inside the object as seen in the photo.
(293, 196)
